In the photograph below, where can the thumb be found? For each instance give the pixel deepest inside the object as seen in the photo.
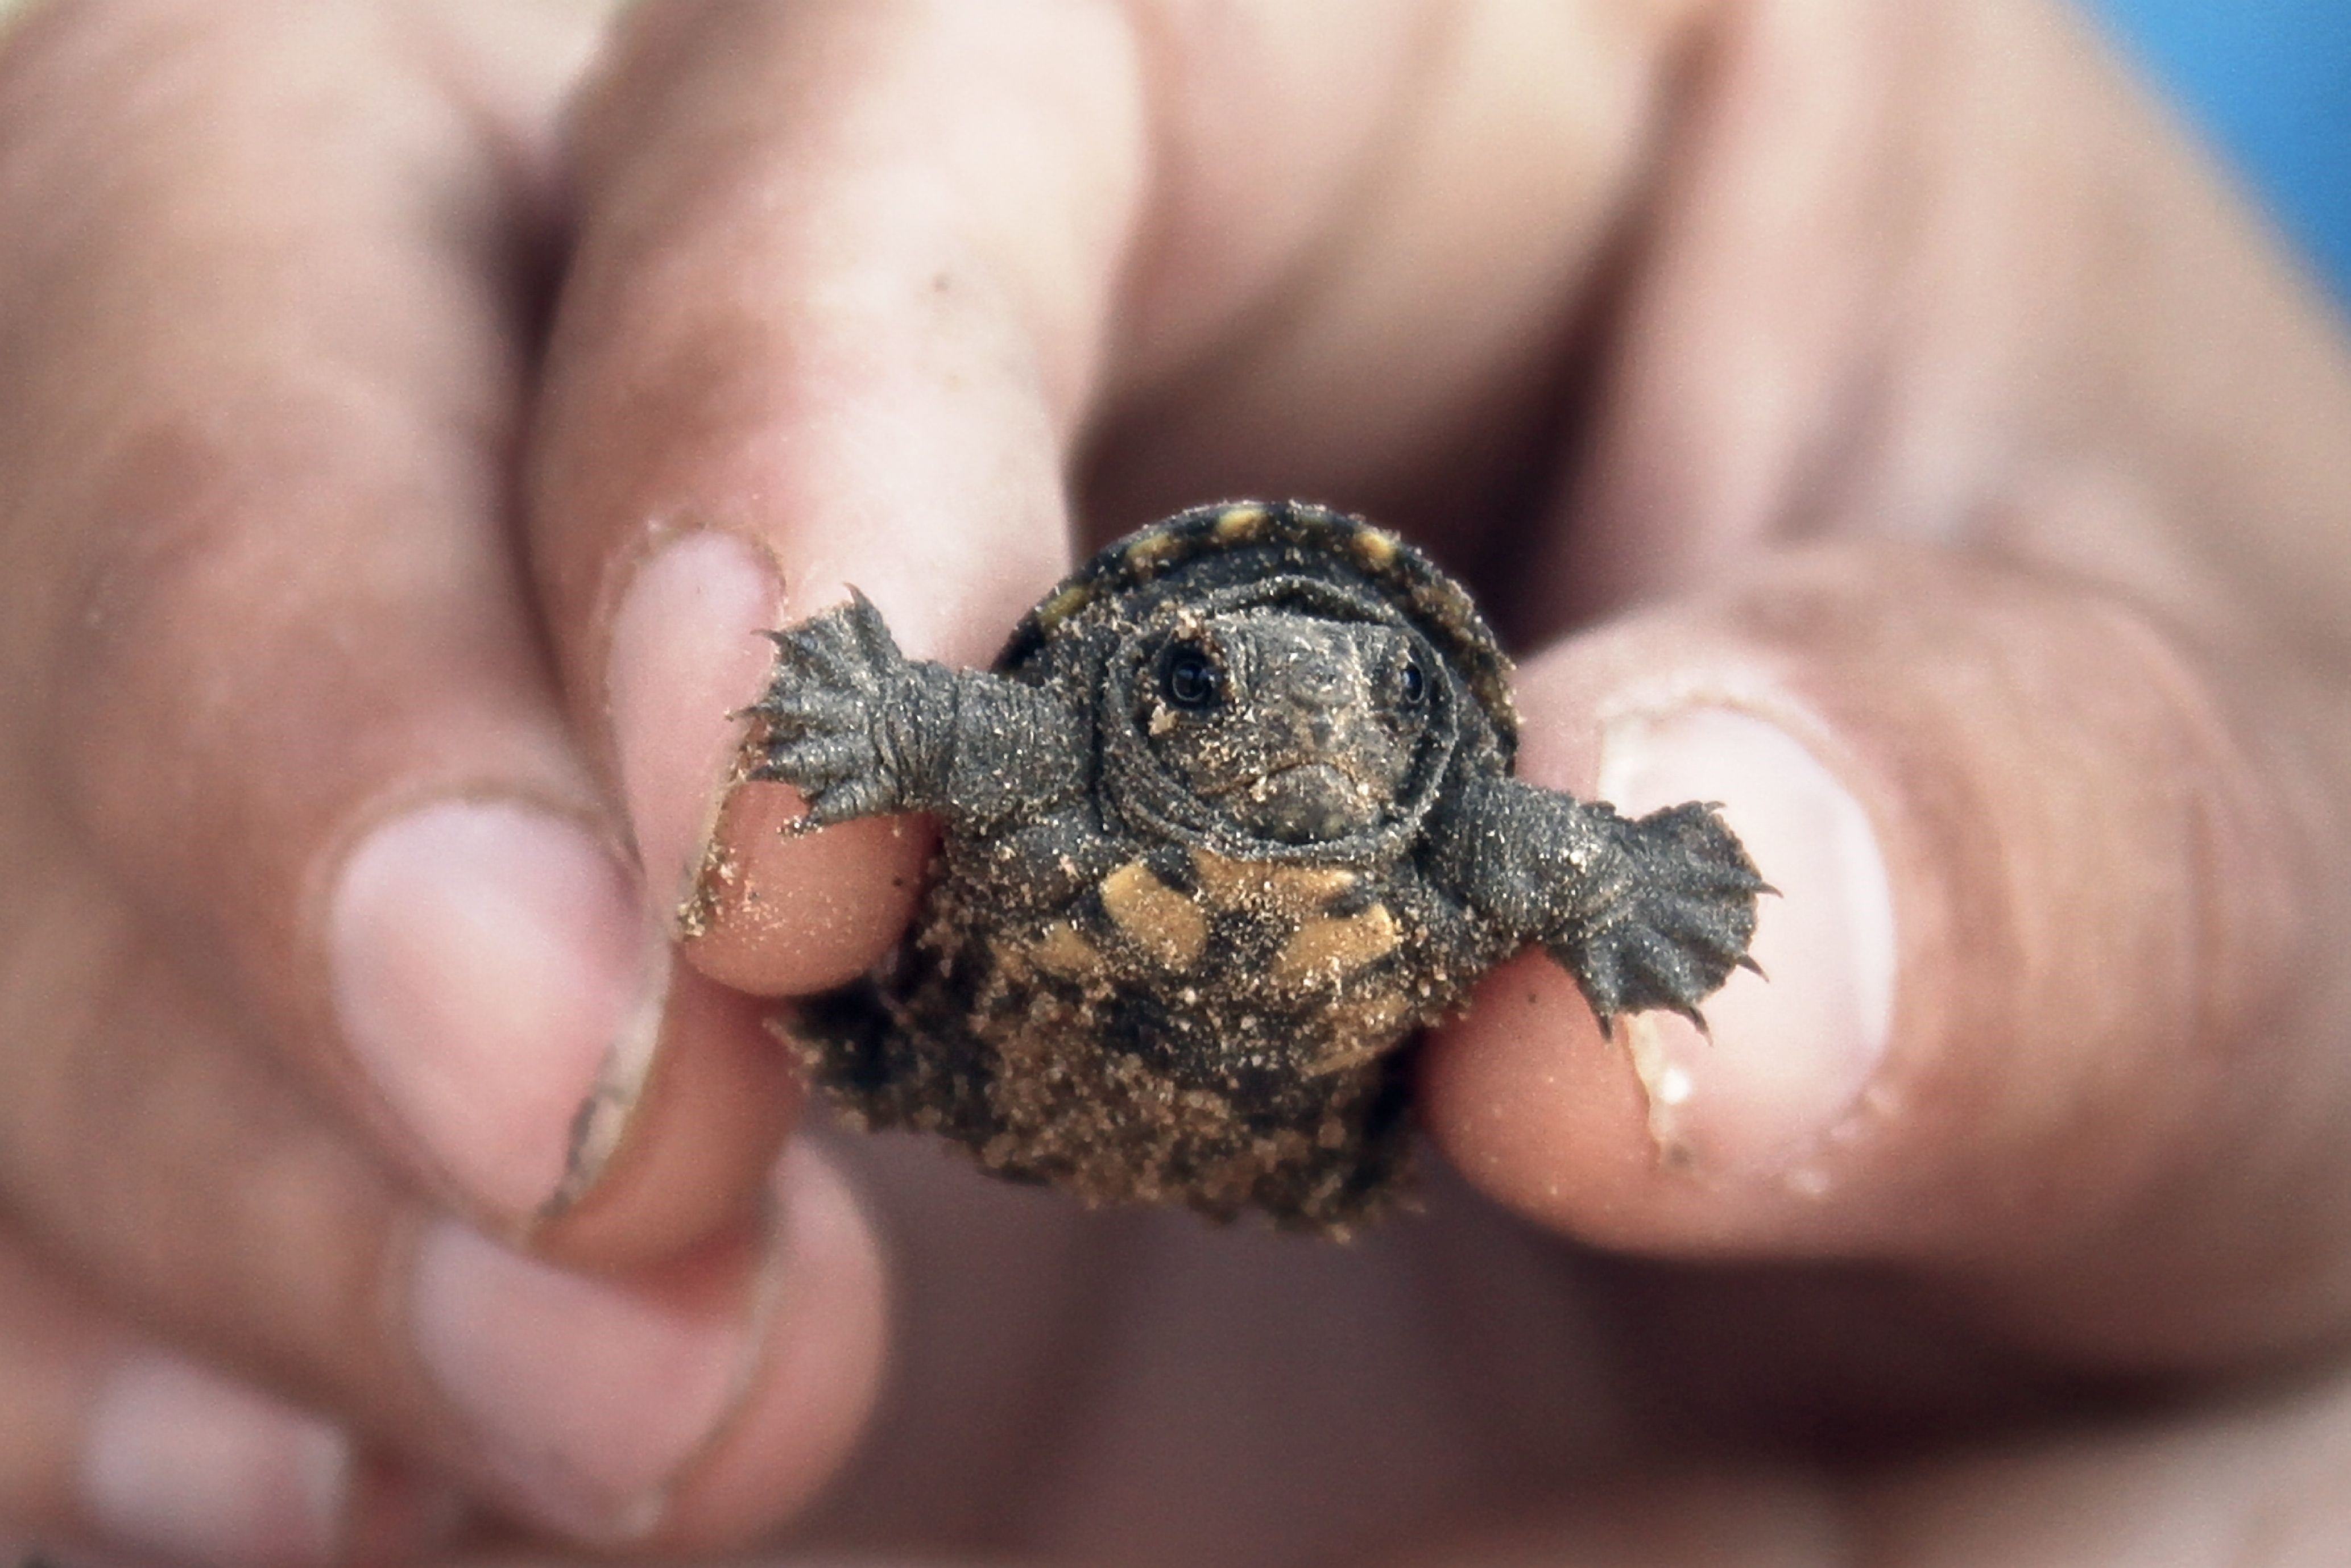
(2056, 1004)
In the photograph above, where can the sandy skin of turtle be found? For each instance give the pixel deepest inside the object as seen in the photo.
(1231, 819)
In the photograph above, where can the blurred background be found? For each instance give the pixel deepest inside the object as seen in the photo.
(2269, 83)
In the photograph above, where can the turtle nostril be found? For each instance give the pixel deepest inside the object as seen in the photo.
(1319, 685)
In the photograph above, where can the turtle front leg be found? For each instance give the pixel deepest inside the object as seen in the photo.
(1644, 913)
(862, 730)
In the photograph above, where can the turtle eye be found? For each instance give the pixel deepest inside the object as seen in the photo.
(1191, 679)
(1411, 683)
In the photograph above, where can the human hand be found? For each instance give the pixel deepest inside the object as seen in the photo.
(1608, 308)
(326, 971)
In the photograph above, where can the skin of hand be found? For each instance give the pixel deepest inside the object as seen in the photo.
(1871, 416)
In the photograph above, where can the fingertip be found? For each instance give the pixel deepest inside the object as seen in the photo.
(1539, 1107)
(493, 972)
(1669, 1133)
(759, 904)
(181, 1461)
(685, 1158)
(777, 911)
(597, 1406)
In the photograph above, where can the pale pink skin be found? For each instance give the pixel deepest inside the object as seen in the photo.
(1975, 476)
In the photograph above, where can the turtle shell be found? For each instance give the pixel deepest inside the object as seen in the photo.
(1242, 540)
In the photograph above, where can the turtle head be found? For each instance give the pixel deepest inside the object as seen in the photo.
(1298, 729)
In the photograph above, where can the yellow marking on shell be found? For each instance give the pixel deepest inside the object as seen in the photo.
(1061, 952)
(1064, 605)
(1239, 524)
(1163, 922)
(1149, 551)
(1293, 890)
(1325, 948)
(1361, 1031)
(1375, 548)
(1445, 602)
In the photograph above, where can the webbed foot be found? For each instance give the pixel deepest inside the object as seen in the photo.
(835, 712)
(1675, 925)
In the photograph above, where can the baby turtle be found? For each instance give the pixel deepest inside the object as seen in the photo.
(1231, 818)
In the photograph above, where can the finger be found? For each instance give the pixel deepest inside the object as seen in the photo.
(841, 276)
(2042, 1014)
(1869, 299)
(110, 1440)
(193, 1184)
(267, 642)
(1375, 235)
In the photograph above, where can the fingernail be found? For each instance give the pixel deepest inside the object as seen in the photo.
(588, 1397)
(495, 975)
(1790, 1059)
(197, 1468)
(686, 658)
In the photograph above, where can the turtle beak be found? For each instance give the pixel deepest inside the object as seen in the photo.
(1310, 803)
